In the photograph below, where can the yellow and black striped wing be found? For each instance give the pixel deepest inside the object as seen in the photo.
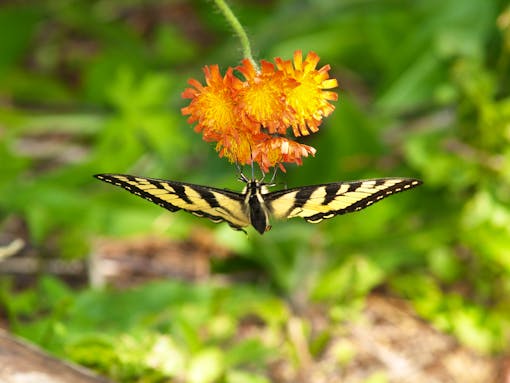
(318, 202)
(203, 201)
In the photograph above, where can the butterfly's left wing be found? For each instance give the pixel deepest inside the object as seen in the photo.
(318, 202)
(203, 201)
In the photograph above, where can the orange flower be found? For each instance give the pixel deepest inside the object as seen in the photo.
(308, 100)
(249, 119)
(262, 98)
(236, 146)
(213, 107)
(275, 150)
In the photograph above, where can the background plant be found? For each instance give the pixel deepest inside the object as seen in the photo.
(423, 93)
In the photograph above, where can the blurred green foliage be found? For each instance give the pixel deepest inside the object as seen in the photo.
(161, 329)
(90, 87)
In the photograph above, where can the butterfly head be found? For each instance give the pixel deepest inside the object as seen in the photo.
(254, 186)
(257, 184)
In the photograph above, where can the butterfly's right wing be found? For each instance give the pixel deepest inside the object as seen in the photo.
(203, 201)
(318, 202)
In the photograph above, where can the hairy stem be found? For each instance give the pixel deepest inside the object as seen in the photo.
(238, 29)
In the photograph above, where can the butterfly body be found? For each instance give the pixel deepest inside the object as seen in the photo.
(255, 204)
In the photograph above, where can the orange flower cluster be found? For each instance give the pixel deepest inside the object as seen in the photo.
(249, 119)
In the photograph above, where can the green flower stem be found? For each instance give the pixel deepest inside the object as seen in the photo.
(238, 29)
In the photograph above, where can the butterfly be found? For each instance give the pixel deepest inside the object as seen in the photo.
(255, 204)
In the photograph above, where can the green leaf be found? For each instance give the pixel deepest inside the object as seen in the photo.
(235, 376)
(357, 276)
(206, 366)
(247, 352)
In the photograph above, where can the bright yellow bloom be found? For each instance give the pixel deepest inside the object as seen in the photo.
(308, 100)
(249, 119)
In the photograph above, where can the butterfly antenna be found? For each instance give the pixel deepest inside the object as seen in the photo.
(241, 176)
(274, 175)
(252, 169)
